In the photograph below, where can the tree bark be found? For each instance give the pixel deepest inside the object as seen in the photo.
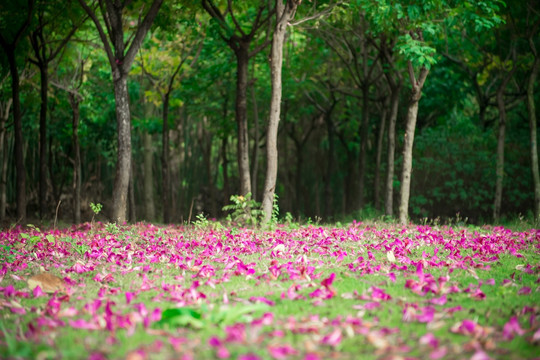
(501, 137)
(284, 13)
(131, 192)
(165, 169)
(4, 116)
(255, 157)
(499, 169)
(123, 165)
(148, 163)
(329, 166)
(412, 113)
(389, 187)
(17, 125)
(242, 58)
(380, 137)
(44, 77)
(531, 108)
(74, 101)
(364, 133)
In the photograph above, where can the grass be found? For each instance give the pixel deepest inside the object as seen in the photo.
(298, 292)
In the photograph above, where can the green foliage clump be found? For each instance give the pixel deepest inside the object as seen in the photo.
(245, 210)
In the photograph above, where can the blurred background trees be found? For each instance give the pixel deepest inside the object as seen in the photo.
(199, 93)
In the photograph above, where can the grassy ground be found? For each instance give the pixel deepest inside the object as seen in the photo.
(377, 291)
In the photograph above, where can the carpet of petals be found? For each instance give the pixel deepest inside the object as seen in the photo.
(310, 292)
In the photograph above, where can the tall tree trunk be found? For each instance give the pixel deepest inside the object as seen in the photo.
(255, 157)
(165, 172)
(4, 115)
(74, 101)
(412, 113)
(131, 192)
(298, 179)
(148, 164)
(123, 166)
(44, 77)
(225, 167)
(499, 168)
(284, 13)
(364, 133)
(330, 165)
(242, 57)
(532, 126)
(380, 137)
(17, 125)
(389, 187)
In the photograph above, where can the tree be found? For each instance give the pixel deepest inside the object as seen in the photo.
(46, 46)
(121, 54)
(16, 20)
(173, 50)
(531, 109)
(234, 31)
(411, 21)
(352, 42)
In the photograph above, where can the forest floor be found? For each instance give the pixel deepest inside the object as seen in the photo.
(361, 291)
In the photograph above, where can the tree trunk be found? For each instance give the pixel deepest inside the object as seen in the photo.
(225, 167)
(412, 113)
(44, 76)
(242, 58)
(17, 124)
(123, 166)
(4, 116)
(284, 13)
(131, 192)
(501, 136)
(534, 148)
(389, 193)
(499, 169)
(74, 101)
(255, 157)
(165, 173)
(380, 138)
(298, 179)
(148, 163)
(363, 145)
(330, 165)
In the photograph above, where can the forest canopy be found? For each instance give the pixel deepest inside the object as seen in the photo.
(162, 110)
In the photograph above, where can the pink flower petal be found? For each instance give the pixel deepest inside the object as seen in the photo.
(329, 280)
(512, 327)
(281, 352)
(524, 290)
(332, 339)
(38, 292)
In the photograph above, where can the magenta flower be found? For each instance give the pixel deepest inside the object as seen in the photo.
(512, 327)
(332, 339)
(38, 292)
(281, 352)
(524, 290)
(329, 280)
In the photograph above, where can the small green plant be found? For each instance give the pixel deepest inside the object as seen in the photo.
(275, 210)
(201, 222)
(112, 228)
(96, 208)
(81, 249)
(245, 210)
(8, 254)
